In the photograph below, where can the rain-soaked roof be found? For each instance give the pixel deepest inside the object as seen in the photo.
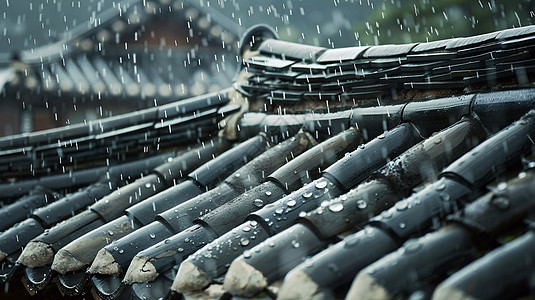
(362, 172)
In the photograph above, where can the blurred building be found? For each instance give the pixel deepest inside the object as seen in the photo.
(121, 57)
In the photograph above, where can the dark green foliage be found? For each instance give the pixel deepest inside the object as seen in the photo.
(396, 21)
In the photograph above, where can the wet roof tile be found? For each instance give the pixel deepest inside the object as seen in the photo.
(290, 50)
(388, 50)
(341, 54)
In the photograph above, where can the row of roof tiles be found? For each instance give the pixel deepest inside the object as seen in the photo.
(201, 216)
(286, 72)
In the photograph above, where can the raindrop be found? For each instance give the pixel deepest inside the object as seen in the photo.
(402, 225)
(412, 246)
(387, 214)
(268, 193)
(291, 203)
(244, 242)
(382, 136)
(361, 204)
(307, 195)
(237, 175)
(279, 211)
(401, 205)
(271, 243)
(438, 141)
(110, 232)
(247, 254)
(351, 242)
(295, 244)
(322, 184)
(441, 186)
(501, 203)
(332, 267)
(336, 207)
(253, 223)
(180, 250)
(246, 229)
(502, 186)
(152, 235)
(147, 185)
(258, 202)
(302, 214)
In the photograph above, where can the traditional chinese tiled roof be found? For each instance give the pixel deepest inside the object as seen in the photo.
(363, 172)
(126, 55)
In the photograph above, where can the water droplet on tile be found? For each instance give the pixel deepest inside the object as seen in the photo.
(258, 202)
(441, 186)
(322, 184)
(501, 203)
(336, 207)
(401, 205)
